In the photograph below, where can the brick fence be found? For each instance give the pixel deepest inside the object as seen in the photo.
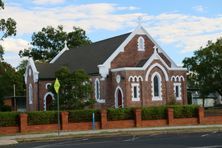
(105, 124)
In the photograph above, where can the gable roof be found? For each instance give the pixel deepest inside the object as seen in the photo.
(84, 57)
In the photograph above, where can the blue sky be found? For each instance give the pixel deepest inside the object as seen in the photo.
(179, 27)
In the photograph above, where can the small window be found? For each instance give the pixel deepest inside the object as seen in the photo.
(97, 89)
(177, 91)
(30, 94)
(140, 44)
(30, 72)
(135, 92)
(156, 86)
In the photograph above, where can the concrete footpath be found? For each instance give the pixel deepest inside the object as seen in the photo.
(13, 139)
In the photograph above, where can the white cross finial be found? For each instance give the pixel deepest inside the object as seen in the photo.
(66, 47)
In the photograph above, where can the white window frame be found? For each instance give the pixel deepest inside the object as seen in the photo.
(97, 96)
(30, 94)
(44, 100)
(47, 85)
(116, 97)
(141, 44)
(137, 85)
(179, 91)
(156, 98)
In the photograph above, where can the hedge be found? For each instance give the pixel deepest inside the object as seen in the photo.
(42, 117)
(9, 119)
(120, 114)
(185, 111)
(154, 113)
(83, 115)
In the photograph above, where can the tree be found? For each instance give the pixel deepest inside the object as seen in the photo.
(206, 69)
(49, 41)
(9, 77)
(75, 89)
(7, 28)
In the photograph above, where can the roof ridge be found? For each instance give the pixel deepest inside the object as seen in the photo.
(111, 37)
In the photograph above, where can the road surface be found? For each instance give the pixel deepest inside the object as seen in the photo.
(195, 140)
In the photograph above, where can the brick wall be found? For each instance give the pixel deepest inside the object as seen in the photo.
(105, 124)
(34, 105)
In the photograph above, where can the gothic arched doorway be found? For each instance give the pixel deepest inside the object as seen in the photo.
(119, 98)
(48, 99)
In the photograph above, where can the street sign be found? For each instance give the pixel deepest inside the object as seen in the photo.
(57, 86)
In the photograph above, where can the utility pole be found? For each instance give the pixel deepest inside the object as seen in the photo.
(14, 97)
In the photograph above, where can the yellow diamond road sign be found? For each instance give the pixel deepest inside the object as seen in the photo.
(57, 85)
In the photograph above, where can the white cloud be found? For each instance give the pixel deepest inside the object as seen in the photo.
(13, 45)
(199, 8)
(186, 32)
(43, 2)
(88, 16)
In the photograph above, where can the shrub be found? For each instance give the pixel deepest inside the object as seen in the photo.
(42, 117)
(9, 119)
(154, 113)
(120, 114)
(83, 115)
(6, 108)
(185, 111)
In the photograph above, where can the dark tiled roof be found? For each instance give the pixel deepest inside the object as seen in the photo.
(83, 57)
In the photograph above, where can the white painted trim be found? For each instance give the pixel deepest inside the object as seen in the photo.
(179, 89)
(177, 78)
(60, 53)
(30, 94)
(156, 98)
(155, 56)
(44, 99)
(34, 71)
(137, 85)
(141, 69)
(156, 65)
(47, 84)
(116, 97)
(135, 78)
(139, 30)
(97, 96)
(140, 42)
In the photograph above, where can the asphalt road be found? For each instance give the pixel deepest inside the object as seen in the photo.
(196, 140)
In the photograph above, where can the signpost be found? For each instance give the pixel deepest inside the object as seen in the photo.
(56, 87)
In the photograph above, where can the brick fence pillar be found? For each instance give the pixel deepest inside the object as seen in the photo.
(23, 122)
(201, 115)
(65, 120)
(170, 116)
(138, 119)
(103, 119)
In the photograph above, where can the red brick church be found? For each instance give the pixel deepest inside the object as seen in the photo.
(129, 70)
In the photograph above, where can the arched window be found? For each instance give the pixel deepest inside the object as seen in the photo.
(156, 86)
(97, 89)
(48, 100)
(30, 94)
(140, 44)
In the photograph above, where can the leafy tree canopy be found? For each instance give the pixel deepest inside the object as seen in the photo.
(49, 41)
(7, 28)
(206, 68)
(8, 78)
(75, 89)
